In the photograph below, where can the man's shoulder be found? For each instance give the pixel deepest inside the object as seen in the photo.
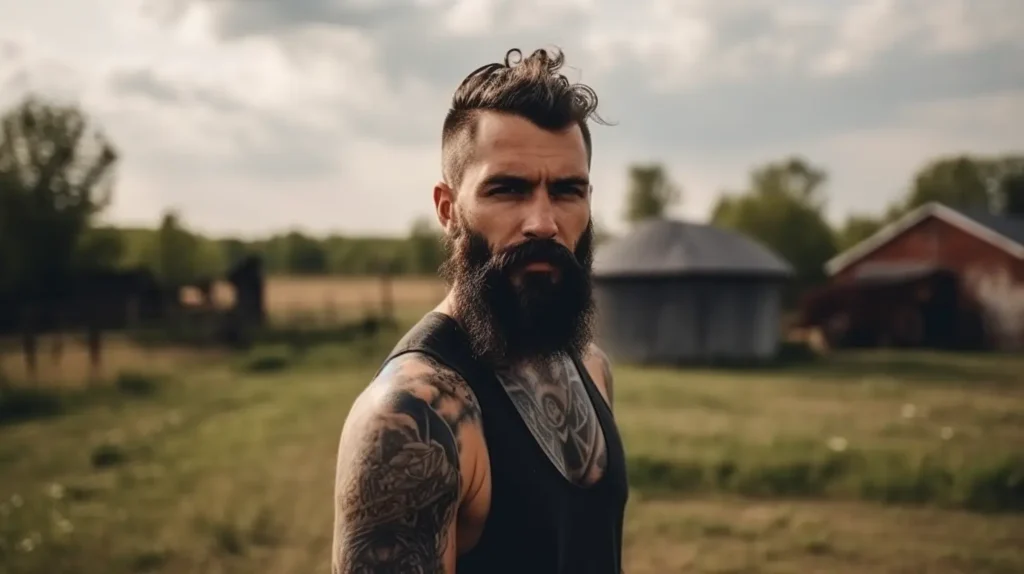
(594, 353)
(600, 368)
(428, 379)
(597, 361)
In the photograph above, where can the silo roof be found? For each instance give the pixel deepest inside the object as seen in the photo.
(665, 247)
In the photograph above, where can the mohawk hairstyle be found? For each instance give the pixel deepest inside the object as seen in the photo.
(532, 88)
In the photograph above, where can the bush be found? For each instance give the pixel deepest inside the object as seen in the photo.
(136, 383)
(995, 487)
(108, 454)
(268, 359)
(23, 404)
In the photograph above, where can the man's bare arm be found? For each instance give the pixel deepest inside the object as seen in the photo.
(398, 480)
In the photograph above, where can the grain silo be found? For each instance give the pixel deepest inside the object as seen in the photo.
(672, 292)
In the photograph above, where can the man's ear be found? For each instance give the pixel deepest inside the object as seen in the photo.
(444, 204)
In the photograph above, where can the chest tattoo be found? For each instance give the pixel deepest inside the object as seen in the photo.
(555, 405)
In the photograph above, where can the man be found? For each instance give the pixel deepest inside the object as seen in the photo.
(486, 444)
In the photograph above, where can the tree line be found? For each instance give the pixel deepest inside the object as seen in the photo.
(57, 175)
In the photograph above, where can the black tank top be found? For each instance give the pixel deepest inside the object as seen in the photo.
(539, 522)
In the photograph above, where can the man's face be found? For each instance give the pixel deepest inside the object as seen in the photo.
(520, 240)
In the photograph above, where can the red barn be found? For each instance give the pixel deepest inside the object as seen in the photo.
(984, 250)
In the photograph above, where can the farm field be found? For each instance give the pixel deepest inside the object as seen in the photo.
(297, 296)
(875, 462)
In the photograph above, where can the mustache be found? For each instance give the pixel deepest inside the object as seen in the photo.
(534, 251)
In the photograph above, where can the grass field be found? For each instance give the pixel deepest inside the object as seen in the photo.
(203, 463)
(864, 464)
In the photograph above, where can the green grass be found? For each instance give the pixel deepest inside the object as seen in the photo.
(229, 468)
(833, 431)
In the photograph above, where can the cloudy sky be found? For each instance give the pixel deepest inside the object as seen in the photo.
(252, 116)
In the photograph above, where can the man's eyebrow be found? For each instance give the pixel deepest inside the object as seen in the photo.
(507, 180)
(519, 181)
(572, 180)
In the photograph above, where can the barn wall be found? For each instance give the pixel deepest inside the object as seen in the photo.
(992, 276)
(689, 320)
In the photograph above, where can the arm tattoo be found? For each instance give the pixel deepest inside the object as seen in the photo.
(398, 487)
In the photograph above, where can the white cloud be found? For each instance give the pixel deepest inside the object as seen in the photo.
(867, 29)
(965, 25)
(675, 38)
(470, 17)
(260, 115)
(870, 28)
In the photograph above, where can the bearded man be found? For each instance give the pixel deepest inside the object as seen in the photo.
(486, 442)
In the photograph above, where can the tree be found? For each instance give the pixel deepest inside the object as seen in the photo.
(783, 210)
(857, 228)
(650, 194)
(426, 252)
(959, 182)
(970, 182)
(1011, 191)
(100, 248)
(179, 257)
(1008, 171)
(233, 250)
(56, 174)
(304, 255)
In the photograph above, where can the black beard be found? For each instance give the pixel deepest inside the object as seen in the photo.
(547, 314)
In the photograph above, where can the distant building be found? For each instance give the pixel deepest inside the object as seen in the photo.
(672, 292)
(983, 251)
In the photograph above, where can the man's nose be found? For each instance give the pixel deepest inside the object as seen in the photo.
(540, 219)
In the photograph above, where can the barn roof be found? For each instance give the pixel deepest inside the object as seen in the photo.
(661, 247)
(1004, 232)
(1009, 227)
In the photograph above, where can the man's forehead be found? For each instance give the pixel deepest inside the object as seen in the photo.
(514, 145)
(495, 130)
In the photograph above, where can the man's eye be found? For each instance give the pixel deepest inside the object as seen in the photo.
(502, 190)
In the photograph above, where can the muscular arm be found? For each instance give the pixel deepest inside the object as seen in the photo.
(398, 482)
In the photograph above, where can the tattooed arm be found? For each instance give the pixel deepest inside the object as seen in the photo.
(398, 483)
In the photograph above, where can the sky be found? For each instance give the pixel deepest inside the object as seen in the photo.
(258, 116)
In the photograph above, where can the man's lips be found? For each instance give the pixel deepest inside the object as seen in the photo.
(539, 266)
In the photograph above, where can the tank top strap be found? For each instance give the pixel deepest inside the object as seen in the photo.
(440, 337)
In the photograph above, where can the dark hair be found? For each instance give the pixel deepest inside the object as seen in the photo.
(532, 88)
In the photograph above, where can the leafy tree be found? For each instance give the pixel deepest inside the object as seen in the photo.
(179, 257)
(102, 247)
(304, 255)
(971, 182)
(783, 209)
(56, 173)
(650, 194)
(426, 252)
(1011, 191)
(961, 182)
(233, 250)
(857, 228)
